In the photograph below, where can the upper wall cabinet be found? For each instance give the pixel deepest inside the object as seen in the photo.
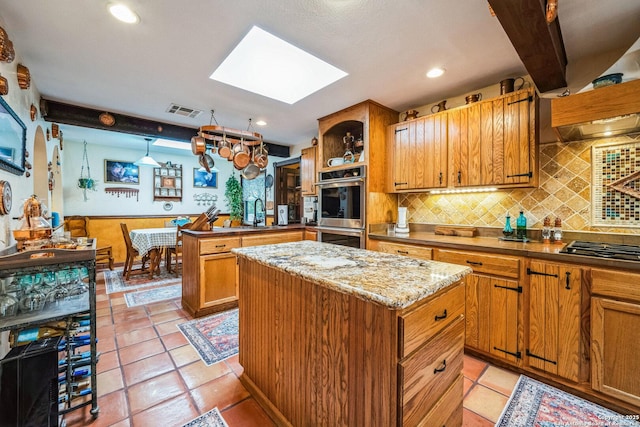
(308, 171)
(418, 152)
(491, 142)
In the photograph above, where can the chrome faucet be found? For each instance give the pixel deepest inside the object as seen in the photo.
(255, 211)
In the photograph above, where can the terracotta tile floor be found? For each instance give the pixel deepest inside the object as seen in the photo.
(149, 375)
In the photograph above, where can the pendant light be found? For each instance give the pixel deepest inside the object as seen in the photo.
(147, 160)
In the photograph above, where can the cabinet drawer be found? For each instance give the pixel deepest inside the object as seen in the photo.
(219, 244)
(615, 284)
(424, 376)
(407, 250)
(499, 265)
(447, 411)
(420, 325)
(271, 238)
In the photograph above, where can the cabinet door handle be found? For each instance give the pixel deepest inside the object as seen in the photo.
(440, 178)
(442, 368)
(400, 183)
(400, 130)
(539, 273)
(474, 262)
(528, 99)
(444, 316)
(402, 252)
(567, 280)
(459, 177)
(529, 174)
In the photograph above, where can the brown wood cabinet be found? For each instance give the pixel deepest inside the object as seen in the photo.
(554, 344)
(615, 334)
(308, 171)
(418, 153)
(315, 356)
(493, 303)
(413, 251)
(209, 269)
(493, 142)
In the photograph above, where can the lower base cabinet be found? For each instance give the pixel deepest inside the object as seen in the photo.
(210, 271)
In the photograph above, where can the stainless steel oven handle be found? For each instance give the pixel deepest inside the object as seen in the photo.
(340, 181)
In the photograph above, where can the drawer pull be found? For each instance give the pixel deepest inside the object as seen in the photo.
(400, 183)
(220, 246)
(444, 315)
(474, 262)
(444, 366)
(568, 280)
(402, 252)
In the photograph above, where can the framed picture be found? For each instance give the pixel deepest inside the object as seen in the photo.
(204, 179)
(13, 136)
(121, 172)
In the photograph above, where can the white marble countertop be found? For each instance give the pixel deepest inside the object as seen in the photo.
(390, 280)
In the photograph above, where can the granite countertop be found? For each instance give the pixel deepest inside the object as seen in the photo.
(532, 249)
(389, 280)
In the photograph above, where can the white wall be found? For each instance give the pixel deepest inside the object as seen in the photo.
(101, 204)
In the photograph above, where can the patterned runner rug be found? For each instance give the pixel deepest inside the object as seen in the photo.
(213, 418)
(536, 404)
(116, 283)
(149, 296)
(215, 337)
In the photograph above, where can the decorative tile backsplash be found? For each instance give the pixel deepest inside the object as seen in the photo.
(564, 192)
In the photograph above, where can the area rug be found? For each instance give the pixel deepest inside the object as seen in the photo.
(115, 282)
(149, 296)
(215, 337)
(536, 404)
(213, 418)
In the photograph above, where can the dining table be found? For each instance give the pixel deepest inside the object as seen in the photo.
(153, 241)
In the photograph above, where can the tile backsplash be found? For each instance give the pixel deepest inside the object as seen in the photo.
(564, 192)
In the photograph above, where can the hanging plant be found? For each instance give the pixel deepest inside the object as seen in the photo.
(233, 194)
(85, 182)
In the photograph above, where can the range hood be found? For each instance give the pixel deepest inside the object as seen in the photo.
(599, 113)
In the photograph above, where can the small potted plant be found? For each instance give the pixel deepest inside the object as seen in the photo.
(233, 194)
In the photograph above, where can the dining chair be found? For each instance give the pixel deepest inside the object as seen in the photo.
(132, 254)
(175, 253)
(78, 226)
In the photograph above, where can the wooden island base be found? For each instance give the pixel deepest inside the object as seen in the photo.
(313, 356)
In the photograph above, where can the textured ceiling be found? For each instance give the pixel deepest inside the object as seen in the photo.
(77, 53)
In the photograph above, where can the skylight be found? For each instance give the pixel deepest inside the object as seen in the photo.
(264, 64)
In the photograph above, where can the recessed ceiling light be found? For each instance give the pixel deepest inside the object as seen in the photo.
(607, 133)
(435, 72)
(123, 13)
(264, 64)
(261, 123)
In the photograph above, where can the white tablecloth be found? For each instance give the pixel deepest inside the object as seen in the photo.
(145, 239)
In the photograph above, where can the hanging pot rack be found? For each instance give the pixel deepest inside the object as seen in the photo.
(211, 136)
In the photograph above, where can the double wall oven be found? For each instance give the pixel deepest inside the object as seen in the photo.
(341, 206)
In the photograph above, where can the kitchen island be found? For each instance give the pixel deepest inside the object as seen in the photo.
(332, 335)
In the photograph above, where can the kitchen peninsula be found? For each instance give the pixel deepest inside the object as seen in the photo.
(332, 335)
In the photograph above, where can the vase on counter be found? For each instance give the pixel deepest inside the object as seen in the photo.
(507, 230)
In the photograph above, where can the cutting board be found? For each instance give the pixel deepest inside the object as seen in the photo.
(452, 230)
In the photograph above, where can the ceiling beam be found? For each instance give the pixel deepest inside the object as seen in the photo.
(54, 111)
(538, 43)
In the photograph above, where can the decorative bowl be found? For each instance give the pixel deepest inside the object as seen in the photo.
(607, 80)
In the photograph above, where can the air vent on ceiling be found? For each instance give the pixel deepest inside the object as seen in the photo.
(183, 111)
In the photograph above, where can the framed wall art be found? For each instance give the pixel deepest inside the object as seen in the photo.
(204, 179)
(121, 172)
(13, 138)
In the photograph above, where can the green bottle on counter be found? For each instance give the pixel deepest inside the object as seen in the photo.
(521, 226)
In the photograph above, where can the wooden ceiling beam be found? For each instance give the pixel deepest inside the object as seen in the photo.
(538, 43)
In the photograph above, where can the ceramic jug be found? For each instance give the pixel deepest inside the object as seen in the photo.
(441, 106)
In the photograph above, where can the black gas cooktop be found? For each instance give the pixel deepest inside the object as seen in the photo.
(603, 250)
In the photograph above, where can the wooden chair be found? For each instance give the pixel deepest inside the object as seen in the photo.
(78, 226)
(176, 252)
(132, 253)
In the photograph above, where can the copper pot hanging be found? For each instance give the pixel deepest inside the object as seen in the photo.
(224, 147)
(24, 77)
(198, 145)
(4, 86)
(241, 155)
(260, 155)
